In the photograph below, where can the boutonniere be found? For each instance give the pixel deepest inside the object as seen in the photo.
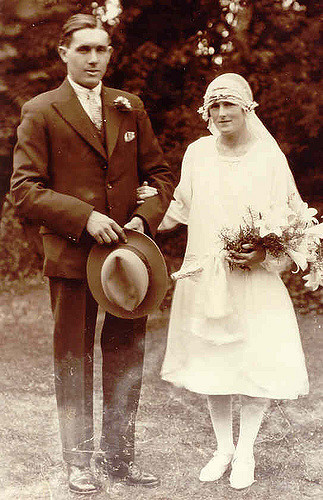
(122, 103)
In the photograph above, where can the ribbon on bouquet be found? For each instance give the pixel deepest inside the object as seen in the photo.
(214, 289)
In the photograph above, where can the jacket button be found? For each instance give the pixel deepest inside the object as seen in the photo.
(109, 186)
(105, 166)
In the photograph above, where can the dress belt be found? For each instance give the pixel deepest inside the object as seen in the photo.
(212, 277)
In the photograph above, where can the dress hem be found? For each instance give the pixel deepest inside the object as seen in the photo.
(254, 394)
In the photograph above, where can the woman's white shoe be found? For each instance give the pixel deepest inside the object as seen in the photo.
(242, 473)
(216, 467)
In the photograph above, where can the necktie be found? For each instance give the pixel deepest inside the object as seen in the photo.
(95, 110)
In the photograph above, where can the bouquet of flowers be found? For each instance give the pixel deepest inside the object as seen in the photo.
(282, 232)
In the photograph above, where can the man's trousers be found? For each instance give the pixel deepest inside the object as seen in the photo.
(122, 343)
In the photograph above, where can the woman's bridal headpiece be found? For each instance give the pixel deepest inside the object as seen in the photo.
(229, 87)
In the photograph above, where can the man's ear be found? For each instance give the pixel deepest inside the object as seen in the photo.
(110, 51)
(62, 50)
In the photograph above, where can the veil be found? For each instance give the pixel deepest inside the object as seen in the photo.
(234, 88)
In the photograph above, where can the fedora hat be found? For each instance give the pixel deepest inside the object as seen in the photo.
(129, 280)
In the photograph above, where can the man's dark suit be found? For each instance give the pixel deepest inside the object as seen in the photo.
(63, 170)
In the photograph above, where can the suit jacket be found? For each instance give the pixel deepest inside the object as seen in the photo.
(62, 172)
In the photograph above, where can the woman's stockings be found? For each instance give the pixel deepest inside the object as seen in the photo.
(251, 415)
(220, 408)
(242, 460)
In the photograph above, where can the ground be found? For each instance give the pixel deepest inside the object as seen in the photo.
(174, 434)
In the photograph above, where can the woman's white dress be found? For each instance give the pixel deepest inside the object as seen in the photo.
(231, 332)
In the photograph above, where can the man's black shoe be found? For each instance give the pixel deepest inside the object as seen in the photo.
(82, 480)
(130, 473)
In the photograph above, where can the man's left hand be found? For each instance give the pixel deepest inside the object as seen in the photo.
(136, 224)
(145, 191)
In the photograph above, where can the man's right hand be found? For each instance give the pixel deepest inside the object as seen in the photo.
(104, 230)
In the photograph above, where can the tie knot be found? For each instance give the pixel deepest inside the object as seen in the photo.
(91, 94)
(95, 108)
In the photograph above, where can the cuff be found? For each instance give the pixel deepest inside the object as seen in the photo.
(275, 264)
(146, 225)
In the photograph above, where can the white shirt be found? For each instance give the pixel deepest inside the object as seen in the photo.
(83, 93)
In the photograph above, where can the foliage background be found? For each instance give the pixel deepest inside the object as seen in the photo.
(167, 51)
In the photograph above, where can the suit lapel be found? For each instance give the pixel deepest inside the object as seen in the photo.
(70, 108)
(113, 118)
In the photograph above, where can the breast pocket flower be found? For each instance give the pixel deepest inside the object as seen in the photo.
(122, 103)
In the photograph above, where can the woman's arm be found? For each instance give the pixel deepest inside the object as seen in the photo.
(178, 210)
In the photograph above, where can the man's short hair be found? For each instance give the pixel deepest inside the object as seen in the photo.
(78, 22)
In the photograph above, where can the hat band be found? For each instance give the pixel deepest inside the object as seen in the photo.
(141, 256)
(222, 94)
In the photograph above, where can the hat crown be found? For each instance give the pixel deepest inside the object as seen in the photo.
(125, 278)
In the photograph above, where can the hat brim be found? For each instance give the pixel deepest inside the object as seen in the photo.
(158, 275)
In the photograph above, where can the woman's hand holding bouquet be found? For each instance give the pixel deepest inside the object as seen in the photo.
(250, 254)
(280, 232)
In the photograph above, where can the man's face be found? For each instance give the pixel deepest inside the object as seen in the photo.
(87, 56)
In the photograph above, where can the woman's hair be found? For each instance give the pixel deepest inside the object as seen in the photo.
(78, 22)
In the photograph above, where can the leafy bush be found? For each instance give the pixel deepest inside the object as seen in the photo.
(20, 247)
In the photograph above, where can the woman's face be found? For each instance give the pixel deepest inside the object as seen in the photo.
(229, 118)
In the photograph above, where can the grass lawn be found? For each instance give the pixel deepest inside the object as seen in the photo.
(174, 434)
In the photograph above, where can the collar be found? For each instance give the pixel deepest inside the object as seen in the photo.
(83, 91)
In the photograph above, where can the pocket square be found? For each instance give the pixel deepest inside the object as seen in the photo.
(129, 136)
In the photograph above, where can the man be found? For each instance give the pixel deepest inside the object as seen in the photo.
(82, 151)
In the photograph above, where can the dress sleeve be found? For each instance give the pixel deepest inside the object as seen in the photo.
(283, 192)
(284, 188)
(179, 208)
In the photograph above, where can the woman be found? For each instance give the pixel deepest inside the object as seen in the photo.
(232, 326)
